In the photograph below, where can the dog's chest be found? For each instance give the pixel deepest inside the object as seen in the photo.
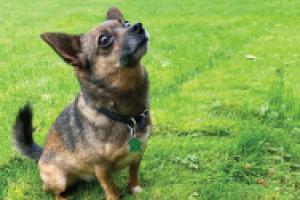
(124, 156)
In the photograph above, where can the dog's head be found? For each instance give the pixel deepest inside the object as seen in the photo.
(108, 50)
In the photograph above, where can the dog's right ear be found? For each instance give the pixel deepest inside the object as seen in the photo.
(114, 13)
(66, 46)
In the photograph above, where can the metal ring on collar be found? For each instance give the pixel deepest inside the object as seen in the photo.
(133, 121)
(131, 129)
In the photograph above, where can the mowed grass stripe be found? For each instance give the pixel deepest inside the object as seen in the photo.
(237, 86)
(208, 45)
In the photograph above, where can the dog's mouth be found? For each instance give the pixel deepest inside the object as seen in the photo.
(135, 45)
(141, 44)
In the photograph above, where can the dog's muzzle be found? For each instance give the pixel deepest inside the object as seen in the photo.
(135, 45)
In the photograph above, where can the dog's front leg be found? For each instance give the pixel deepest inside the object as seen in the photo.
(106, 180)
(133, 182)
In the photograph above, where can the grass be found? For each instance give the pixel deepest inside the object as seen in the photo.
(226, 127)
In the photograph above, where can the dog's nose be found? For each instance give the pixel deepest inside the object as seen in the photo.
(138, 28)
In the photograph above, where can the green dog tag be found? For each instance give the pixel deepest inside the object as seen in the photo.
(134, 144)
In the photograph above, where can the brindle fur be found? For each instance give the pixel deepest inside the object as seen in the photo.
(83, 142)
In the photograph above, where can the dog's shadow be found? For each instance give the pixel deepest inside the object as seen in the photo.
(21, 170)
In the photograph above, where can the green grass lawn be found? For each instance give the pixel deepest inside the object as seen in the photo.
(225, 127)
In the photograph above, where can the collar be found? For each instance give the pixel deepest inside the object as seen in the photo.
(138, 121)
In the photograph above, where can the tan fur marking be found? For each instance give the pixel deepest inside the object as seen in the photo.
(54, 179)
(105, 178)
(53, 141)
(91, 114)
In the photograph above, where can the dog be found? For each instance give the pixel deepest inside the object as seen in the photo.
(107, 126)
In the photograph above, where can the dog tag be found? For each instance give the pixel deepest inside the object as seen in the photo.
(134, 144)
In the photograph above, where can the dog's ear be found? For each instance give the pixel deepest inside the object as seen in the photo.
(66, 46)
(115, 14)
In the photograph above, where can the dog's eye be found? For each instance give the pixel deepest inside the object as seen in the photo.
(126, 24)
(105, 40)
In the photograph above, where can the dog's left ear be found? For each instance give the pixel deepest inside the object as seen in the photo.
(66, 46)
(114, 14)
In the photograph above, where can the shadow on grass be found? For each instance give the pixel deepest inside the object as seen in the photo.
(9, 171)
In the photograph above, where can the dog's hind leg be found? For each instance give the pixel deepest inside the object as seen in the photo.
(54, 179)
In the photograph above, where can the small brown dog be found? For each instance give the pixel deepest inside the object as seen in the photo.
(107, 127)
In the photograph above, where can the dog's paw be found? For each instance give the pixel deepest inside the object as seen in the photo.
(136, 189)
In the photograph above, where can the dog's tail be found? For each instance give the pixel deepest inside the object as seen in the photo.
(22, 134)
